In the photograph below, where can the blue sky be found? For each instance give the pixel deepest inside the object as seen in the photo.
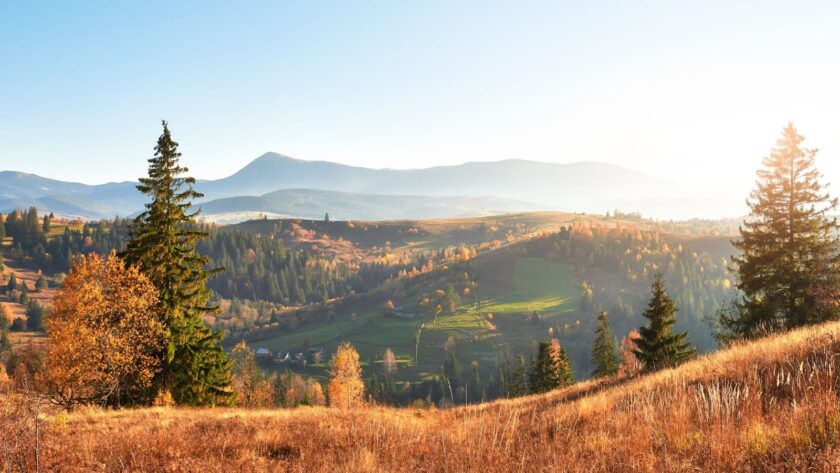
(693, 92)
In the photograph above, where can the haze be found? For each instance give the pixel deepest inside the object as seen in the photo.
(693, 93)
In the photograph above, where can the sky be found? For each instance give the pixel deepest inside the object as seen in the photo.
(693, 91)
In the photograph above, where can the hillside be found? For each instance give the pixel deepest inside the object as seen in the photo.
(313, 204)
(513, 292)
(447, 191)
(769, 405)
(294, 284)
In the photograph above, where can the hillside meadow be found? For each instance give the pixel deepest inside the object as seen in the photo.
(769, 405)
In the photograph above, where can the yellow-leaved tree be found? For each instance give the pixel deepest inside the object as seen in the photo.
(346, 388)
(250, 384)
(106, 335)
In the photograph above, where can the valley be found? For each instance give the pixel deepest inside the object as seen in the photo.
(479, 292)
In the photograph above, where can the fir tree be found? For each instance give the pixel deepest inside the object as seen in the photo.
(195, 369)
(658, 346)
(788, 271)
(603, 348)
(518, 384)
(41, 283)
(551, 369)
(23, 299)
(34, 316)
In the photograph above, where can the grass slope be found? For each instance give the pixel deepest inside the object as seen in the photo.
(769, 405)
(515, 286)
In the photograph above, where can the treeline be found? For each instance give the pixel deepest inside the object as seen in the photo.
(257, 267)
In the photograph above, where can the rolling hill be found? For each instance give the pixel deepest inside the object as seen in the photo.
(768, 405)
(470, 189)
(313, 204)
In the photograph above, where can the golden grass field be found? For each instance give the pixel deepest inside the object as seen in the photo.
(769, 405)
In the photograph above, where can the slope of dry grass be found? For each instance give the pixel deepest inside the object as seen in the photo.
(766, 406)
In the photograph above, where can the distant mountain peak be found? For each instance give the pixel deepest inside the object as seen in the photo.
(579, 186)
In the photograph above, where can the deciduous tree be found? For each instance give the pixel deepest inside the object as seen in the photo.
(346, 388)
(106, 335)
(389, 362)
(250, 384)
(630, 365)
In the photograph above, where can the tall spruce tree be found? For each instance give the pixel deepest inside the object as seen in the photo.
(195, 369)
(551, 369)
(518, 384)
(603, 348)
(658, 346)
(788, 271)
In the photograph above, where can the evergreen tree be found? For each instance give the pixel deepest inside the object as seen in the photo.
(12, 285)
(518, 384)
(195, 369)
(658, 346)
(34, 316)
(23, 299)
(41, 283)
(451, 299)
(551, 369)
(788, 271)
(603, 348)
(451, 366)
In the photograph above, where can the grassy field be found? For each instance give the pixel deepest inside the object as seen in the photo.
(532, 284)
(515, 288)
(765, 406)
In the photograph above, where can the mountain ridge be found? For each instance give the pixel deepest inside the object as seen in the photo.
(587, 186)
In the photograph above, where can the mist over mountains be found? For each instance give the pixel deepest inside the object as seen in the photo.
(279, 185)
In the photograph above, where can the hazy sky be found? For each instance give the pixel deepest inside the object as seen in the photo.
(690, 90)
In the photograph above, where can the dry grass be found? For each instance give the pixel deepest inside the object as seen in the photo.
(765, 406)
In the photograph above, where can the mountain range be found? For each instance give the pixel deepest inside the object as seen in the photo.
(278, 184)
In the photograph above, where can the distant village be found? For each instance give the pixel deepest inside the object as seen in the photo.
(312, 355)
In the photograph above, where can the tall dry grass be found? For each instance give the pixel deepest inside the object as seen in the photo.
(770, 405)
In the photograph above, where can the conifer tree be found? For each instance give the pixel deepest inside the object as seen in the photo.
(788, 271)
(603, 348)
(658, 346)
(518, 383)
(551, 369)
(41, 283)
(195, 369)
